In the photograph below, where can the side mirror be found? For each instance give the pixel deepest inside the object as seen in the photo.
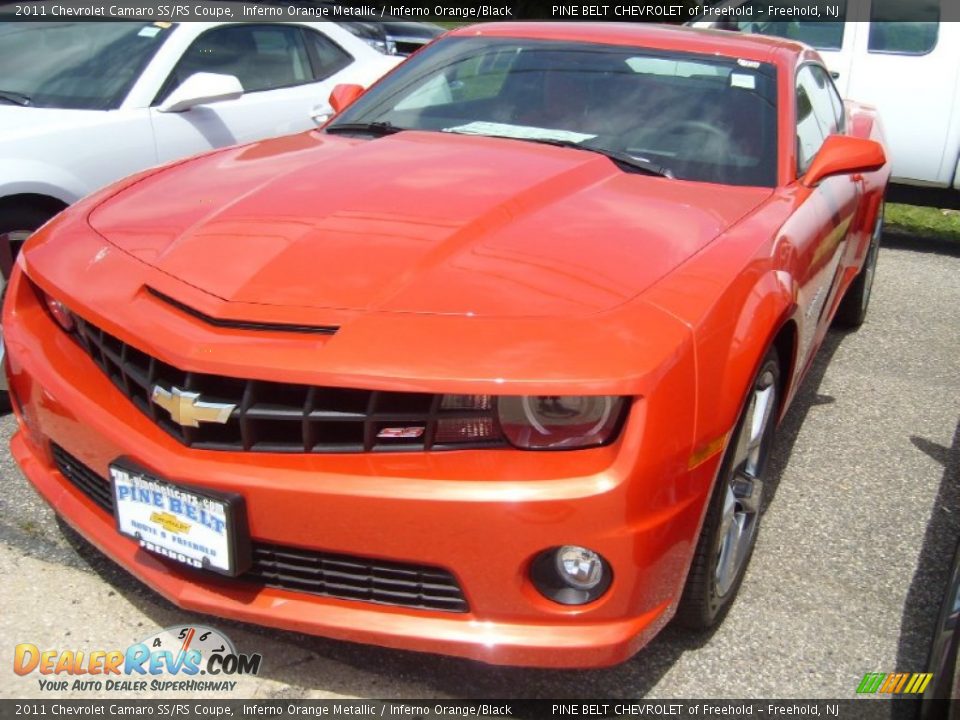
(201, 89)
(843, 155)
(343, 95)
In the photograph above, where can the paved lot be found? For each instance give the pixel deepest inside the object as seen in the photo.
(846, 578)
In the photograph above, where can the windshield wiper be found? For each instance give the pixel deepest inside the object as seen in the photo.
(378, 129)
(631, 162)
(14, 97)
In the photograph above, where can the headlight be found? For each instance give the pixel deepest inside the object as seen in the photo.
(58, 311)
(555, 422)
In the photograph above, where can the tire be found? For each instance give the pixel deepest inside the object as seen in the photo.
(730, 528)
(16, 224)
(853, 308)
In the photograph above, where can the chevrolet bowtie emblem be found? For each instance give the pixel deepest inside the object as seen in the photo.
(187, 409)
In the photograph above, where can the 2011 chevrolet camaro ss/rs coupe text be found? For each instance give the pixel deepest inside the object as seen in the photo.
(490, 365)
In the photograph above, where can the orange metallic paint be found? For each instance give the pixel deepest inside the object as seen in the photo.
(453, 264)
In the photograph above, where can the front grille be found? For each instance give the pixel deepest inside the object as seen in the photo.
(355, 578)
(85, 479)
(308, 571)
(292, 418)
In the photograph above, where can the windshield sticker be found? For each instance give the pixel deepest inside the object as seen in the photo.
(522, 132)
(748, 63)
(149, 32)
(741, 80)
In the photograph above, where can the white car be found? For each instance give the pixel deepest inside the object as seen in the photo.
(83, 104)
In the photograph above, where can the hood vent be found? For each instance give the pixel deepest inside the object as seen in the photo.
(244, 324)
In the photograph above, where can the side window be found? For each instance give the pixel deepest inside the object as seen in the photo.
(816, 113)
(892, 32)
(809, 135)
(836, 103)
(261, 57)
(328, 57)
(823, 34)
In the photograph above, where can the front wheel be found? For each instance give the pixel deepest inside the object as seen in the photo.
(730, 528)
(853, 308)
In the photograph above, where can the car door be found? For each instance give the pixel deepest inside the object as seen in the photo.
(820, 227)
(285, 71)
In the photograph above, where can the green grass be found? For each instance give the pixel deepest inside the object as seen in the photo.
(923, 221)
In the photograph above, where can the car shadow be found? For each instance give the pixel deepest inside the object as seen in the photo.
(898, 240)
(289, 656)
(808, 396)
(206, 122)
(929, 582)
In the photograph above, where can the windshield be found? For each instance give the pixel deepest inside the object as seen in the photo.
(81, 66)
(696, 117)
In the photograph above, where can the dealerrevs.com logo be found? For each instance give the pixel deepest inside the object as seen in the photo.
(178, 658)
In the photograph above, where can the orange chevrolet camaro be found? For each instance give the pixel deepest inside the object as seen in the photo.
(490, 365)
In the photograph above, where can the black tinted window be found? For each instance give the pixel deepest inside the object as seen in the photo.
(823, 34)
(328, 57)
(896, 27)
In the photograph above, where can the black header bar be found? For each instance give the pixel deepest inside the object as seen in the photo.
(471, 11)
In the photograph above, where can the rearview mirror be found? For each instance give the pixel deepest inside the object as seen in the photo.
(843, 155)
(343, 95)
(201, 89)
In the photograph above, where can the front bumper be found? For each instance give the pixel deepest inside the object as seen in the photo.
(484, 515)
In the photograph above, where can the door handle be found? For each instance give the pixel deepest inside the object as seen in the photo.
(320, 114)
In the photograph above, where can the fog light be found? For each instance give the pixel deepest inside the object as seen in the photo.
(579, 567)
(571, 575)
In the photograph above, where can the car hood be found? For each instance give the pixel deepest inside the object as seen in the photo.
(416, 222)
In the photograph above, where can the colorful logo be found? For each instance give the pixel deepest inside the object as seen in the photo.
(894, 683)
(169, 522)
(172, 659)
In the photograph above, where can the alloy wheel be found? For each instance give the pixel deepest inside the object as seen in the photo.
(744, 484)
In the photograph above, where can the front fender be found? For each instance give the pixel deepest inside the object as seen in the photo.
(732, 342)
(20, 176)
(735, 296)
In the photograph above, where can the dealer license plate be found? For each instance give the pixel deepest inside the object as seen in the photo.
(198, 529)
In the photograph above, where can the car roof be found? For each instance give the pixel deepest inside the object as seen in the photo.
(661, 37)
